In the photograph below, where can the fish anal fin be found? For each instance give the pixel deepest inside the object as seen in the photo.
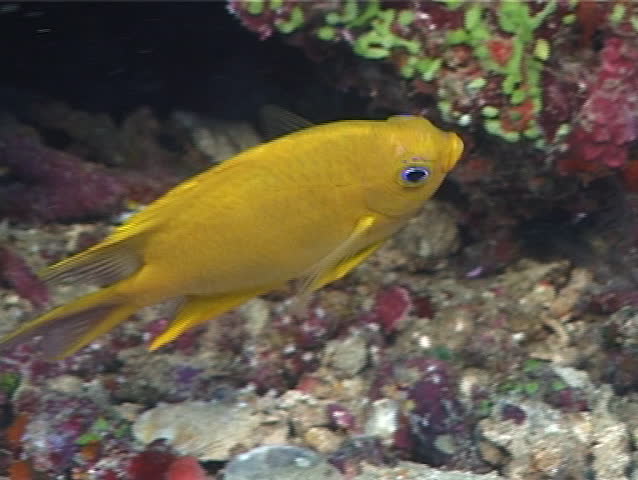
(100, 265)
(197, 309)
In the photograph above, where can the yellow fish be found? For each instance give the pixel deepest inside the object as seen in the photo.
(310, 205)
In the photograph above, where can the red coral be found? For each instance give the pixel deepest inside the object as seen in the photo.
(518, 117)
(49, 185)
(150, 464)
(17, 274)
(185, 468)
(391, 307)
(501, 49)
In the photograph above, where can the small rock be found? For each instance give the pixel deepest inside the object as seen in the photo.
(491, 454)
(305, 411)
(383, 419)
(257, 315)
(281, 462)
(610, 442)
(417, 471)
(68, 384)
(347, 356)
(206, 430)
(322, 439)
(430, 237)
(545, 444)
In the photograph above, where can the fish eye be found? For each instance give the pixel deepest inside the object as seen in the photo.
(414, 176)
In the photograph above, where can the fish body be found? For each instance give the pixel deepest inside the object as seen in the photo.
(310, 205)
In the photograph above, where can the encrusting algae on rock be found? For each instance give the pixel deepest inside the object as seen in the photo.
(310, 205)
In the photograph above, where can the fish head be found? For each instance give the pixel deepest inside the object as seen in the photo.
(412, 157)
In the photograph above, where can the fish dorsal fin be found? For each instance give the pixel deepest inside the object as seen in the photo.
(100, 265)
(277, 122)
(347, 255)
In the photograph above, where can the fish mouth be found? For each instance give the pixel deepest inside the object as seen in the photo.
(454, 152)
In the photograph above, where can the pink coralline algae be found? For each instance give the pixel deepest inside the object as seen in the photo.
(15, 272)
(47, 184)
(609, 116)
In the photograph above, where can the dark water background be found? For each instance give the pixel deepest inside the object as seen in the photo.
(114, 57)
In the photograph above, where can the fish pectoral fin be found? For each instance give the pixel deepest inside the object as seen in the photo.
(344, 267)
(100, 265)
(197, 309)
(339, 262)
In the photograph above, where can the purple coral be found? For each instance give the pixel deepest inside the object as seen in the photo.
(434, 427)
(16, 273)
(50, 185)
(514, 413)
(436, 410)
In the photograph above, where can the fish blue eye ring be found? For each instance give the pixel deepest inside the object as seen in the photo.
(414, 176)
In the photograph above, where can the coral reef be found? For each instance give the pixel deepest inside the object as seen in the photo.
(522, 71)
(447, 371)
(608, 121)
(494, 337)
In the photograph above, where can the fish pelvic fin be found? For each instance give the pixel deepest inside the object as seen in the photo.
(197, 309)
(68, 328)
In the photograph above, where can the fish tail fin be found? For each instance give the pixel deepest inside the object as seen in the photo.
(68, 328)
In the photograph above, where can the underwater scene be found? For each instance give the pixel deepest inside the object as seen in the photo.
(307, 240)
